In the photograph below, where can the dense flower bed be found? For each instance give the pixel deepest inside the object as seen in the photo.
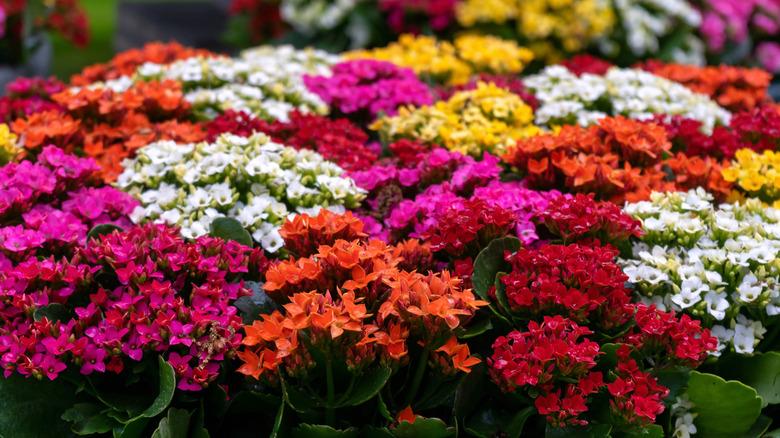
(432, 237)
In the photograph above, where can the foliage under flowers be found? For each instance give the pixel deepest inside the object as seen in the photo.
(252, 179)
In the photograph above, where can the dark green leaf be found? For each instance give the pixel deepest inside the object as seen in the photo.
(772, 434)
(651, 431)
(102, 230)
(32, 408)
(469, 392)
(489, 262)
(54, 312)
(423, 427)
(675, 379)
(166, 388)
(591, 431)
(321, 431)
(175, 425)
(724, 408)
(88, 418)
(759, 427)
(251, 307)
(298, 400)
(367, 386)
(760, 371)
(230, 229)
(480, 324)
(383, 410)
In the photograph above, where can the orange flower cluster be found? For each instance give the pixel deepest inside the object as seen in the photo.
(109, 126)
(125, 63)
(304, 234)
(352, 303)
(734, 88)
(618, 160)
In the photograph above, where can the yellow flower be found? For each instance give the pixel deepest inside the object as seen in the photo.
(8, 146)
(486, 119)
(757, 175)
(453, 64)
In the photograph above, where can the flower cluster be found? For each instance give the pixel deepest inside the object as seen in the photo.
(25, 96)
(718, 264)
(570, 99)
(309, 17)
(402, 15)
(451, 63)
(265, 81)
(252, 179)
(580, 217)
(125, 296)
(733, 88)
(551, 27)
(110, 125)
(509, 82)
(486, 119)
(8, 148)
(365, 89)
(47, 207)
(756, 175)
(337, 140)
(616, 159)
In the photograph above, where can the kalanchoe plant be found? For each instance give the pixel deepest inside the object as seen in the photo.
(252, 179)
(356, 325)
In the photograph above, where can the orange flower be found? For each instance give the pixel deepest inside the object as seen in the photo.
(304, 234)
(459, 354)
(407, 415)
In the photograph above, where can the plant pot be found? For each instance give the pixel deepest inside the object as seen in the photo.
(38, 62)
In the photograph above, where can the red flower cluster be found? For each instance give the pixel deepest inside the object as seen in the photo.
(123, 296)
(581, 217)
(69, 19)
(339, 140)
(468, 227)
(734, 88)
(109, 126)
(669, 339)
(581, 64)
(25, 96)
(637, 397)
(580, 282)
(265, 20)
(554, 358)
(618, 160)
(413, 16)
(125, 63)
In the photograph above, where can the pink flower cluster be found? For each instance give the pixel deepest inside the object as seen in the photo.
(48, 207)
(364, 89)
(127, 294)
(413, 16)
(26, 96)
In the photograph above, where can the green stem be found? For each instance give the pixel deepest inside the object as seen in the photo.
(419, 372)
(330, 411)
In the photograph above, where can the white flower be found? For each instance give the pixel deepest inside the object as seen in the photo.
(717, 304)
(749, 289)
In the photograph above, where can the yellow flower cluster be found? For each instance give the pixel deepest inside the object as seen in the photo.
(574, 24)
(454, 64)
(8, 147)
(756, 175)
(486, 119)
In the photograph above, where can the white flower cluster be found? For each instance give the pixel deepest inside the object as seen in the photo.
(718, 264)
(684, 425)
(647, 22)
(568, 99)
(254, 180)
(265, 81)
(309, 16)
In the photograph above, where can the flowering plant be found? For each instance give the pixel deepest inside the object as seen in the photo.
(25, 96)
(756, 175)
(252, 179)
(486, 119)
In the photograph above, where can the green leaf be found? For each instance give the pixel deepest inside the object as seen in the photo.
(480, 324)
(515, 426)
(298, 400)
(772, 434)
(724, 408)
(675, 379)
(175, 425)
(278, 421)
(469, 392)
(33, 408)
(167, 386)
(367, 386)
(53, 311)
(592, 431)
(230, 229)
(758, 428)
(102, 230)
(322, 431)
(489, 262)
(423, 427)
(760, 371)
(651, 431)
(88, 418)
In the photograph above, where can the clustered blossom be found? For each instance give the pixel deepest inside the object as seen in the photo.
(364, 89)
(339, 140)
(485, 119)
(451, 63)
(580, 217)
(8, 147)
(25, 96)
(126, 296)
(617, 159)
(110, 125)
(265, 81)
(402, 15)
(48, 207)
(509, 82)
(717, 264)
(570, 99)
(756, 175)
(252, 179)
(310, 16)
